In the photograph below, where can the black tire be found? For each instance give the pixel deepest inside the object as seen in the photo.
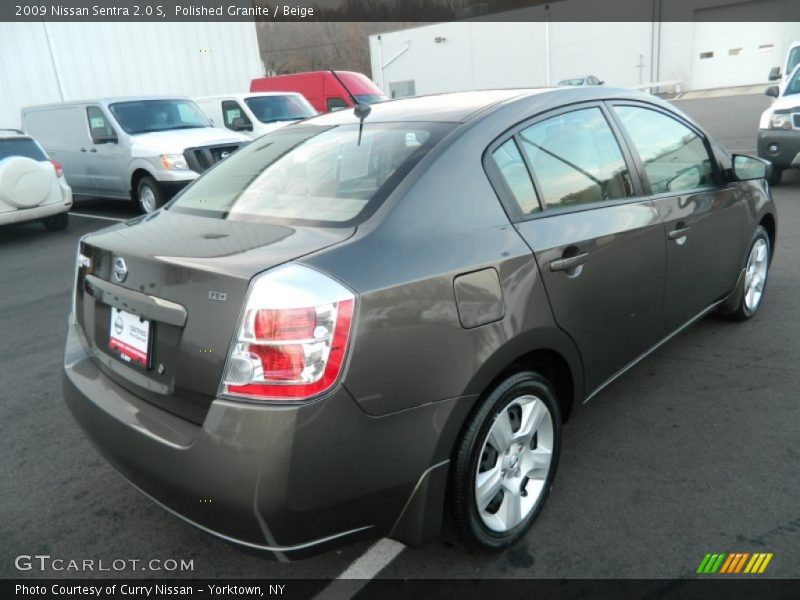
(775, 175)
(148, 183)
(744, 312)
(57, 222)
(468, 524)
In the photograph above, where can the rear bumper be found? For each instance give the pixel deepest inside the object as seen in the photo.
(36, 213)
(291, 480)
(787, 143)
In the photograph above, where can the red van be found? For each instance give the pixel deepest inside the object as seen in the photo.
(325, 90)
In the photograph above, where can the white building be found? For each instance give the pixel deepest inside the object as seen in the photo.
(53, 62)
(701, 52)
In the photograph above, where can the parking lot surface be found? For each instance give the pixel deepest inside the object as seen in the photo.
(694, 451)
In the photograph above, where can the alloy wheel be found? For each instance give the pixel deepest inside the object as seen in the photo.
(756, 274)
(514, 463)
(147, 199)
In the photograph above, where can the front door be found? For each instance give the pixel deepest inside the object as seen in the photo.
(702, 219)
(598, 242)
(106, 172)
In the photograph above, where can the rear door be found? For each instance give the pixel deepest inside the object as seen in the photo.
(597, 239)
(702, 217)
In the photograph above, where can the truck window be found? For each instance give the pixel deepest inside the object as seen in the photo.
(230, 111)
(334, 104)
(98, 122)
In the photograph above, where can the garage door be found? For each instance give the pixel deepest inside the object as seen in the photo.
(740, 51)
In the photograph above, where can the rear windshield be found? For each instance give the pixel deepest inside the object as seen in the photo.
(21, 147)
(269, 109)
(308, 174)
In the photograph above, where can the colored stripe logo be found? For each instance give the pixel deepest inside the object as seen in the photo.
(734, 562)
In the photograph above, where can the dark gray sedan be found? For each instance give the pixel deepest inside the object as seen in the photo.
(348, 328)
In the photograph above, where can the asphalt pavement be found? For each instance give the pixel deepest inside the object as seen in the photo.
(694, 451)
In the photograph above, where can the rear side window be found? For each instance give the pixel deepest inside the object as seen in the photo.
(512, 167)
(576, 159)
(307, 174)
(675, 158)
(21, 147)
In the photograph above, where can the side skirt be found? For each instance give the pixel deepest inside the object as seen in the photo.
(647, 353)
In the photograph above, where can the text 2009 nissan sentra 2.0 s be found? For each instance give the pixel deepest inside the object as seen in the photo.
(338, 334)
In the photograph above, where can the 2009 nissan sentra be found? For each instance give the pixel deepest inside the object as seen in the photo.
(348, 328)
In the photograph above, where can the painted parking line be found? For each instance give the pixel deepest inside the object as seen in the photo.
(362, 570)
(74, 214)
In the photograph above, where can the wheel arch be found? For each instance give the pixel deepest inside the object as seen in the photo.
(768, 223)
(421, 519)
(136, 176)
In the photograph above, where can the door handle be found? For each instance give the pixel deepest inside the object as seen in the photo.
(93, 150)
(83, 149)
(569, 262)
(678, 233)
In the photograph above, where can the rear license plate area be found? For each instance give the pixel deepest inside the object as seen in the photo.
(130, 338)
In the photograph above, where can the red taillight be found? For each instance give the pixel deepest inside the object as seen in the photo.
(286, 324)
(286, 349)
(57, 167)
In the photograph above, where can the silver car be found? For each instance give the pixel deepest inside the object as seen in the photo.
(145, 149)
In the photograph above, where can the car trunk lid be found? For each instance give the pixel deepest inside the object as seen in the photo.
(187, 277)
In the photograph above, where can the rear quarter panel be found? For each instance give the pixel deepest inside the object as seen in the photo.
(443, 221)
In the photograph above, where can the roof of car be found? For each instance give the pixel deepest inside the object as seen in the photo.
(457, 107)
(450, 107)
(10, 132)
(103, 101)
(243, 95)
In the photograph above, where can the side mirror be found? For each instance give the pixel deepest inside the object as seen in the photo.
(239, 124)
(601, 83)
(101, 136)
(772, 91)
(774, 73)
(746, 168)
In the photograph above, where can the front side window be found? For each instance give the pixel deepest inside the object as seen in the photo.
(271, 109)
(230, 111)
(793, 87)
(576, 160)
(675, 158)
(334, 104)
(512, 167)
(308, 174)
(147, 116)
(98, 123)
(793, 60)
